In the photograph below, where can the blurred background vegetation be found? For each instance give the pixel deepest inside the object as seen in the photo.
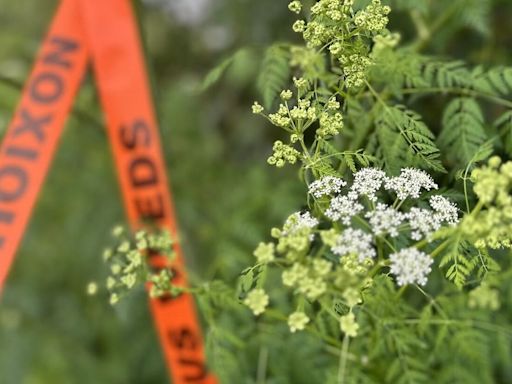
(226, 196)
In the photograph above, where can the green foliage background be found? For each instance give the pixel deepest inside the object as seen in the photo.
(226, 195)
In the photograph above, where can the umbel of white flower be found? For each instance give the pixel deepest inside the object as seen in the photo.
(360, 217)
(410, 266)
(361, 199)
(326, 186)
(355, 242)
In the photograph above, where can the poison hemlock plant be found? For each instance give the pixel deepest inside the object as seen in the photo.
(398, 264)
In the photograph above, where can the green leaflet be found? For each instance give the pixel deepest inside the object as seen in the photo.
(504, 126)
(462, 131)
(274, 73)
(402, 133)
(216, 73)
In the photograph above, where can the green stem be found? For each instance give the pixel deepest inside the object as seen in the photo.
(343, 359)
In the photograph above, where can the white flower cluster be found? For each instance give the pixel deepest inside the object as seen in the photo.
(326, 186)
(355, 242)
(343, 208)
(409, 183)
(385, 219)
(410, 266)
(298, 221)
(444, 209)
(423, 222)
(365, 217)
(367, 182)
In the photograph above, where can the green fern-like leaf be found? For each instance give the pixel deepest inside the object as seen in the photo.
(274, 73)
(399, 128)
(475, 14)
(352, 159)
(504, 126)
(216, 73)
(461, 262)
(496, 81)
(463, 130)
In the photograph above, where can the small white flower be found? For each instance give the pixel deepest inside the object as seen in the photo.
(385, 219)
(423, 222)
(343, 208)
(410, 266)
(367, 182)
(357, 242)
(326, 186)
(444, 209)
(297, 321)
(409, 183)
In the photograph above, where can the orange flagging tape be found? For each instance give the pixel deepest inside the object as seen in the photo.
(105, 32)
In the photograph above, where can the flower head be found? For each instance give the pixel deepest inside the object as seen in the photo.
(343, 208)
(385, 219)
(367, 182)
(264, 253)
(327, 185)
(348, 325)
(295, 6)
(257, 300)
(355, 242)
(298, 221)
(257, 108)
(445, 210)
(410, 266)
(409, 183)
(297, 321)
(422, 222)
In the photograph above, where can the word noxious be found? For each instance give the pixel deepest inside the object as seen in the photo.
(30, 139)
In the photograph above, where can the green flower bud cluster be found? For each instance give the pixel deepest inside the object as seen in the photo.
(308, 279)
(257, 108)
(373, 17)
(493, 183)
(264, 253)
(297, 118)
(351, 274)
(355, 67)
(257, 300)
(330, 124)
(297, 321)
(347, 35)
(307, 274)
(484, 297)
(127, 260)
(295, 6)
(283, 154)
(161, 284)
(348, 325)
(491, 226)
(384, 41)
